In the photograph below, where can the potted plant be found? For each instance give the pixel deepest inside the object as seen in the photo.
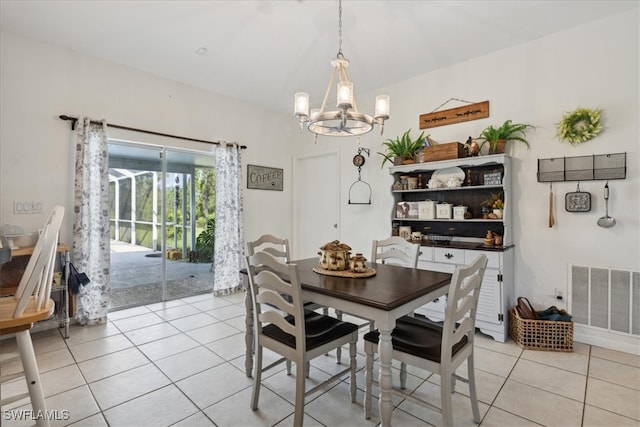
(495, 203)
(498, 137)
(402, 149)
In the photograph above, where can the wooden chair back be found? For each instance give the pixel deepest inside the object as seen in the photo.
(462, 305)
(37, 278)
(273, 245)
(395, 250)
(275, 300)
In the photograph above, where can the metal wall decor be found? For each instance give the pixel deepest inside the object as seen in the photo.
(264, 178)
(358, 161)
(583, 168)
(466, 113)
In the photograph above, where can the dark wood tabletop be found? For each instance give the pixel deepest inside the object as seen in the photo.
(391, 287)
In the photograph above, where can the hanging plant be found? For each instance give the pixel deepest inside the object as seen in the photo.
(579, 126)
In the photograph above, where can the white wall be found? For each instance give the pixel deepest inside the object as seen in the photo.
(39, 82)
(594, 65)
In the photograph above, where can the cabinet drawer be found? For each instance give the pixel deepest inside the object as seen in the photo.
(448, 255)
(426, 254)
(493, 258)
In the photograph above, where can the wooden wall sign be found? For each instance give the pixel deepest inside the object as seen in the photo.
(264, 178)
(465, 113)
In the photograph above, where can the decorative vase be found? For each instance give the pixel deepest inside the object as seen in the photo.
(484, 211)
(498, 213)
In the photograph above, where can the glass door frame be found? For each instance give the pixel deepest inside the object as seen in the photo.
(183, 169)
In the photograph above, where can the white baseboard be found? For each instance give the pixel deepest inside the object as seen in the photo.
(607, 339)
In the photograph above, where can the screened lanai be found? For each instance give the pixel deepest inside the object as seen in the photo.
(162, 205)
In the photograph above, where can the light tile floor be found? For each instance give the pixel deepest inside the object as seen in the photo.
(181, 363)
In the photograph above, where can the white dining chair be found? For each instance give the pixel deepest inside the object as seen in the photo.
(279, 248)
(394, 251)
(282, 325)
(32, 303)
(276, 246)
(440, 349)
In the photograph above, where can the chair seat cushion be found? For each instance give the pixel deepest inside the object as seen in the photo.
(418, 337)
(320, 329)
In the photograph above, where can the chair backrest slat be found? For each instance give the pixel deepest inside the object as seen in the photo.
(43, 289)
(273, 245)
(396, 251)
(38, 275)
(462, 303)
(275, 298)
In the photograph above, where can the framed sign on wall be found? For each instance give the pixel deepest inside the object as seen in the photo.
(264, 178)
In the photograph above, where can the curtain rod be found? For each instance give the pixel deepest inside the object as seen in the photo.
(75, 119)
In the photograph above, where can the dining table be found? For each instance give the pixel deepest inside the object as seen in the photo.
(392, 292)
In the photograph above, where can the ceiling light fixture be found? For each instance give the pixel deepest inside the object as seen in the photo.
(346, 120)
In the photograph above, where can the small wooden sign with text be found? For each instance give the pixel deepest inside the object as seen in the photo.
(465, 113)
(264, 178)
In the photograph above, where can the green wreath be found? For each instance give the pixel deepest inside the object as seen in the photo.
(579, 126)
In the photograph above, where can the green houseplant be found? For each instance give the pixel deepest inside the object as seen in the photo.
(402, 147)
(498, 137)
(206, 241)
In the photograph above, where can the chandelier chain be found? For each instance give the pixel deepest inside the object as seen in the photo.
(346, 120)
(340, 29)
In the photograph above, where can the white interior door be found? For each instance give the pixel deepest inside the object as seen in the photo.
(316, 202)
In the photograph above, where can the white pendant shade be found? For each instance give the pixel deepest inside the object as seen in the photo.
(382, 106)
(301, 104)
(345, 94)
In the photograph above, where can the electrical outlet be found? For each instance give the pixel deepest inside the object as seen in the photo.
(27, 207)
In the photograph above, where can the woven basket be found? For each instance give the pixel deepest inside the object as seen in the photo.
(540, 334)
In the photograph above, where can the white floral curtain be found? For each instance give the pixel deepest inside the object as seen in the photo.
(229, 234)
(91, 250)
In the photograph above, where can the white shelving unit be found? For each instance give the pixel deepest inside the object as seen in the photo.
(496, 293)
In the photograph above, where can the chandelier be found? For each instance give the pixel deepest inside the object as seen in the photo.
(346, 120)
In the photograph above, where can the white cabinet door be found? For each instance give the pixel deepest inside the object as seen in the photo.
(490, 316)
(489, 303)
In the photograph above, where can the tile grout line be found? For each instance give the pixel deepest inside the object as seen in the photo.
(586, 387)
(233, 321)
(492, 404)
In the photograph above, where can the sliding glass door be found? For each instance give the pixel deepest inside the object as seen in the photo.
(161, 206)
(189, 210)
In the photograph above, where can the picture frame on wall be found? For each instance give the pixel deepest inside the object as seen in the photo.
(264, 178)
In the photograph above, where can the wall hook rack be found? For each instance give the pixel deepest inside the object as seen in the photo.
(583, 168)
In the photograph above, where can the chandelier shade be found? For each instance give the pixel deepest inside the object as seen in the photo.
(346, 120)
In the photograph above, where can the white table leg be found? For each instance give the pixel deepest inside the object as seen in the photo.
(385, 349)
(248, 336)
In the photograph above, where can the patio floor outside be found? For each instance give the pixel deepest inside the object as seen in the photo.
(136, 276)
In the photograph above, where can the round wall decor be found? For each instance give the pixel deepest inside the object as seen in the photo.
(579, 125)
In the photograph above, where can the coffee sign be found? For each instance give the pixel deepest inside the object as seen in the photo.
(264, 178)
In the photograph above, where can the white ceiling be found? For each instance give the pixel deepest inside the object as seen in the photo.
(265, 51)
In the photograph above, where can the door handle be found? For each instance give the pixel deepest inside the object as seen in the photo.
(448, 256)
(335, 225)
